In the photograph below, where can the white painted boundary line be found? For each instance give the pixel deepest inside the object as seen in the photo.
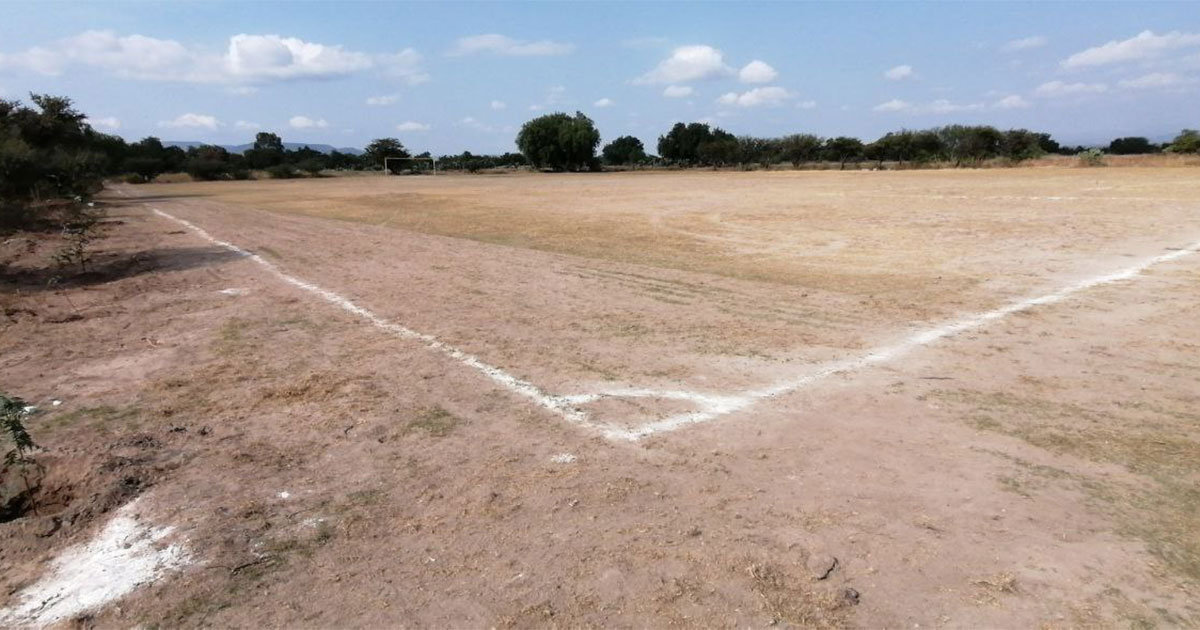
(714, 406)
(711, 406)
(557, 404)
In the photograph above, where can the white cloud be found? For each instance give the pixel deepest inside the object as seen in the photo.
(769, 96)
(1155, 80)
(939, 106)
(498, 105)
(899, 72)
(1055, 89)
(107, 122)
(678, 91)
(757, 72)
(271, 57)
(245, 124)
(1025, 43)
(304, 122)
(894, 105)
(1144, 45)
(247, 59)
(806, 105)
(197, 121)
(409, 125)
(471, 122)
(495, 43)
(943, 106)
(379, 101)
(604, 102)
(133, 56)
(404, 66)
(688, 63)
(1013, 101)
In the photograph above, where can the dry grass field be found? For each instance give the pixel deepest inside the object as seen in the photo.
(958, 398)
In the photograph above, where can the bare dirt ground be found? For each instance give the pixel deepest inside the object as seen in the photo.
(1037, 471)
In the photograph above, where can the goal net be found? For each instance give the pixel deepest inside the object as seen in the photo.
(409, 166)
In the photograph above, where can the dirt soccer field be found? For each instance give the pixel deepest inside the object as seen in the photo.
(796, 399)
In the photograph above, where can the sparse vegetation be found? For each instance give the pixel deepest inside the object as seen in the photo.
(434, 421)
(78, 233)
(12, 421)
(1091, 157)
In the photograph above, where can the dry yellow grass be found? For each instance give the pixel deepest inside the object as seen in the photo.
(910, 238)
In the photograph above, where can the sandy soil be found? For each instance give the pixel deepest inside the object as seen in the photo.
(1040, 471)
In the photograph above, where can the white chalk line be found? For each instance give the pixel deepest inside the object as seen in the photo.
(710, 405)
(558, 404)
(713, 406)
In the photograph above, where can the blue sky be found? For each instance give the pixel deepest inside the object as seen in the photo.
(449, 77)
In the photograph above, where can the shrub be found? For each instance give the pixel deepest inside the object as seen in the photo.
(1091, 157)
(283, 171)
(312, 166)
(207, 169)
(79, 232)
(12, 415)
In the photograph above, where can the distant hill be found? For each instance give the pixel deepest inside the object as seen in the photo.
(241, 148)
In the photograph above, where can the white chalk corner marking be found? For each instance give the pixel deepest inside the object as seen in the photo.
(709, 406)
(125, 554)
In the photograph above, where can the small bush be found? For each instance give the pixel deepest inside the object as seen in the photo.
(79, 230)
(242, 174)
(205, 169)
(282, 171)
(12, 415)
(1091, 157)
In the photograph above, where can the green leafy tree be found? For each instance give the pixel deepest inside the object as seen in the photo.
(267, 151)
(1048, 144)
(843, 149)
(624, 150)
(559, 141)
(682, 143)
(719, 149)
(209, 162)
(46, 152)
(1131, 146)
(761, 151)
(1188, 141)
(800, 148)
(1021, 144)
(381, 148)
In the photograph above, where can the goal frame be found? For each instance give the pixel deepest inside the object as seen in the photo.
(388, 171)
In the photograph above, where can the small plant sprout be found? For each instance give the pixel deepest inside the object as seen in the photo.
(12, 415)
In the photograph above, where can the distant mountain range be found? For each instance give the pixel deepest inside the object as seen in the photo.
(241, 148)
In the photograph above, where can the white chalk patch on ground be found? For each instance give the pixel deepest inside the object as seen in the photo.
(284, 495)
(234, 291)
(123, 556)
(564, 458)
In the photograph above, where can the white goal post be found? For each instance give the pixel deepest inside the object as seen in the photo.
(388, 171)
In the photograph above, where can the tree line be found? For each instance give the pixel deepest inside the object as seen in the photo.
(562, 142)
